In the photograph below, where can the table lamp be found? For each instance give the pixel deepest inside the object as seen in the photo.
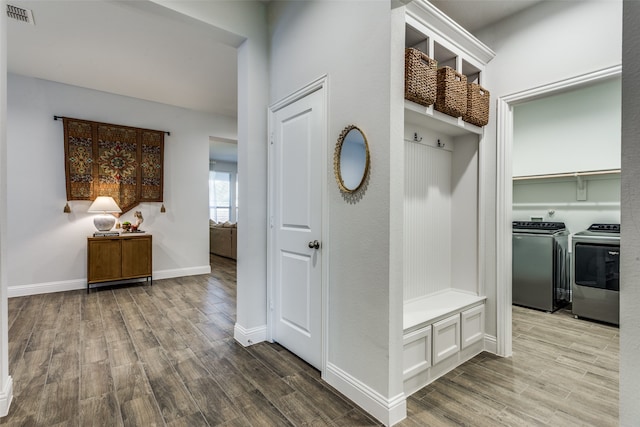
(104, 205)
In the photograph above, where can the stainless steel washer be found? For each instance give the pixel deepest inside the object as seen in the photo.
(595, 271)
(540, 265)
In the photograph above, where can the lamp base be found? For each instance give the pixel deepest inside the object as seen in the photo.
(104, 222)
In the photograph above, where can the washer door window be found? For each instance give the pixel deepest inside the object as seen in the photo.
(597, 266)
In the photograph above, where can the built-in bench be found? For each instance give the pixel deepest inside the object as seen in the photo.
(441, 331)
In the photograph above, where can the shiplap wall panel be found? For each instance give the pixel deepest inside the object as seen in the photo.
(427, 220)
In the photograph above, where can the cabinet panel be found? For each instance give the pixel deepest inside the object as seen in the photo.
(118, 258)
(446, 338)
(136, 257)
(104, 260)
(417, 352)
(472, 325)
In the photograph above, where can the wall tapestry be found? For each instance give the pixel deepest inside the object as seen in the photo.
(123, 162)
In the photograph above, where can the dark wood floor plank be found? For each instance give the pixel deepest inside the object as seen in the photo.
(259, 411)
(320, 395)
(64, 366)
(172, 396)
(141, 411)
(100, 411)
(96, 380)
(130, 381)
(212, 400)
(60, 402)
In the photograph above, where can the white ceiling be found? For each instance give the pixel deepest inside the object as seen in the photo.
(142, 50)
(121, 48)
(474, 15)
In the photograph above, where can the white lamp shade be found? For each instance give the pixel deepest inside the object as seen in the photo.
(104, 204)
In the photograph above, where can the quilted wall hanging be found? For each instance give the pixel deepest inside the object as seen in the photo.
(103, 159)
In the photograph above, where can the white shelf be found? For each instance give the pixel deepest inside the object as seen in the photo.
(420, 115)
(430, 308)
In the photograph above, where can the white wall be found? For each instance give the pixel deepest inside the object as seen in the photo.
(350, 42)
(555, 200)
(37, 226)
(245, 24)
(6, 387)
(547, 43)
(573, 131)
(630, 240)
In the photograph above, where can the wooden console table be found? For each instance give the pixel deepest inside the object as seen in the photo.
(115, 258)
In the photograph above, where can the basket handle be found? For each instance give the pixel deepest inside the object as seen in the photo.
(424, 57)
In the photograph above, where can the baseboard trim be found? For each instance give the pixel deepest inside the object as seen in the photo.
(181, 272)
(72, 285)
(6, 396)
(249, 336)
(46, 288)
(491, 344)
(388, 411)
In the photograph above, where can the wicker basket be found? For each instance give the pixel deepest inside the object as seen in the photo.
(451, 97)
(477, 105)
(419, 77)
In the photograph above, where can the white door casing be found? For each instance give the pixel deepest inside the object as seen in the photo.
(296, 195)
(504, 190)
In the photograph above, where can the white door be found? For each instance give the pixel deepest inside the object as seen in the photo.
(296, 190)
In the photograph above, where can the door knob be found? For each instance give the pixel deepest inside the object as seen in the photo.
(314, 245)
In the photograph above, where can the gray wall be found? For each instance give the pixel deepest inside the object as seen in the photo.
(349, 41)
(630, 240)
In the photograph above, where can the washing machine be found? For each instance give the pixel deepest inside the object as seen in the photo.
(595, 275)
(540, 265)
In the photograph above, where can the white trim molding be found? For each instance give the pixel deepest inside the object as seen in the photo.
(504, 189)
(46, 287)
(182, 272)
(249, 336)
(490, 344)
(6, 396)
(387, 410)
(75, 284)
(449, 30)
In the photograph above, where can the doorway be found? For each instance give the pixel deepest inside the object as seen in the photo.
(504, 196)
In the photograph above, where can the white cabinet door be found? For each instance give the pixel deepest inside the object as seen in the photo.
(446, 338)
(417, 352)
(472, 325)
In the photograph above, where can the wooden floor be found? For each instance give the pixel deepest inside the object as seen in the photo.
(163, 355)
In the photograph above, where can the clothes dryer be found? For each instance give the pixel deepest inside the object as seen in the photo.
(595, 271)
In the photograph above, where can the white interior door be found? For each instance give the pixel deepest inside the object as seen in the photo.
(296, 190)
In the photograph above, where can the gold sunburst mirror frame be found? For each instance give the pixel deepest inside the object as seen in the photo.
(351, 159)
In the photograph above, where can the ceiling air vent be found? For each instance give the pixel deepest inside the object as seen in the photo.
(20, 14)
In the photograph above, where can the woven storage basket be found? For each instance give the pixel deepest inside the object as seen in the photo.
(451, 97)
(477, 105)
(419, 77)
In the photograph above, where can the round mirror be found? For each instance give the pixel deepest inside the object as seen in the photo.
(351, 159)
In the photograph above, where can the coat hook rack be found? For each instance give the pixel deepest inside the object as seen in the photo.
(440, 144)
(416, 137)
